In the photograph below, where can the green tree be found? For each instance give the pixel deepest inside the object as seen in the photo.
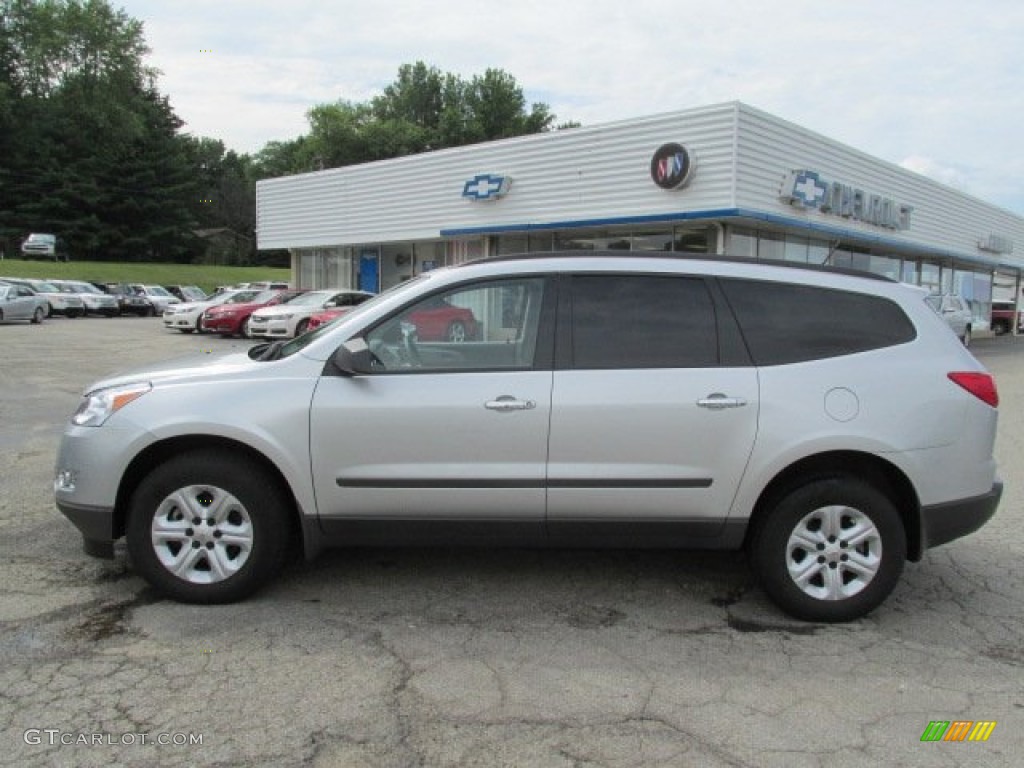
(91, 149)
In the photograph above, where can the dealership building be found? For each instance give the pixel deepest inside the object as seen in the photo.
(727, 179)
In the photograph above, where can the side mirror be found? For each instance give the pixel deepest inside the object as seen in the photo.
(352, 358)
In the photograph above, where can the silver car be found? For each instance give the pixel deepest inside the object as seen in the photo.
(19, 302)
(94, 301)
(827, 423)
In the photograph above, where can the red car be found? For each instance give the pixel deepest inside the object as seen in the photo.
(232, 317)
(435, 320)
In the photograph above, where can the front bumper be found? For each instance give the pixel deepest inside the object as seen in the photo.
(96, 525)
(181, 322)
(942, 523)
(220, 325)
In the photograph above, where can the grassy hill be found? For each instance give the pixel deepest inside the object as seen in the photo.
(206, 277)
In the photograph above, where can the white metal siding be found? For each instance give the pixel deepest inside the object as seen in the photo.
(603, 173)
(944, 220)
(576, 174)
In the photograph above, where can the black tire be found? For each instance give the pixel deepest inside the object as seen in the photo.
(246, 328)
(37, 316)
(302, 327)
(967, 336)
(234, 555)
(1000, 327)
(456, 331)
(844, 579)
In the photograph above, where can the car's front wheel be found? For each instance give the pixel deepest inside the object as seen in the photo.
(38, 315)
(205, 527)
(830, 550)
(456, 331)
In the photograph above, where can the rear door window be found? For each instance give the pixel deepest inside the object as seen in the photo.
(642, 321)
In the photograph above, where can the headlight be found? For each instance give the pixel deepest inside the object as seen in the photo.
(96, 407)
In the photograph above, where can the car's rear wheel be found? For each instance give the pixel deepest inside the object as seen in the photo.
(830, 550)
(37, 315)
(247, 328)
(205, 527)
(966, 338)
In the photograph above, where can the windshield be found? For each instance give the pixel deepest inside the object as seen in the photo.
(300, 342)
(85, 288)
(43, 287)
(157, 290)
(243, 297)
(314, 299)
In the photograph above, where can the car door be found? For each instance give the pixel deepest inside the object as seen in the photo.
(440, 431)
(21, 303)
(651, 424)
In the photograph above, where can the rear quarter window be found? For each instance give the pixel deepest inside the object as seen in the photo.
(784, 323)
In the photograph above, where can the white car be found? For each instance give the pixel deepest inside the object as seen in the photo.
(95, 301)
(186, 317)
(284, 321)
(956, 312)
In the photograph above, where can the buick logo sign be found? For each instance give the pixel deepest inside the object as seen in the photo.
(672, 166)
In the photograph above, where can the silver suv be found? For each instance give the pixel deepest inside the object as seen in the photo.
(828, 423)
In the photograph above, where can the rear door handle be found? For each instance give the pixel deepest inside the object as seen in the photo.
(507, 403)
(716, 401)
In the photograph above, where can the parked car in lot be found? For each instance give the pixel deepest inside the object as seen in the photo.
(434, 321)
(827, 423)
(143, 300)
(956, 312)
(1006, 317)
(58, 302)
(285, 321)
(233, 317)
(188, 317)
(19, 302)
(94, 301)
(187, 292)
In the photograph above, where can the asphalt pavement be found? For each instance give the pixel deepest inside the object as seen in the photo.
(394, 658)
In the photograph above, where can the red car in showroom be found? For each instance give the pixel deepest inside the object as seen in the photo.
(435, 320)
(232, 317)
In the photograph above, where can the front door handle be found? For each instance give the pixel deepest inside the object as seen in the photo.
(507, 403)
(716, 401)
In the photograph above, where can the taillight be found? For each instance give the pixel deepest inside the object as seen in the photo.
(981, 385)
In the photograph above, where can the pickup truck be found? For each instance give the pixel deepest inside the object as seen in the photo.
(1003, 315)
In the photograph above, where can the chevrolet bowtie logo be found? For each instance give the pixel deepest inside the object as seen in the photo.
(487, 186)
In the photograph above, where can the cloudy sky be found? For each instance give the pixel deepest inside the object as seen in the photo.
(933, 85)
